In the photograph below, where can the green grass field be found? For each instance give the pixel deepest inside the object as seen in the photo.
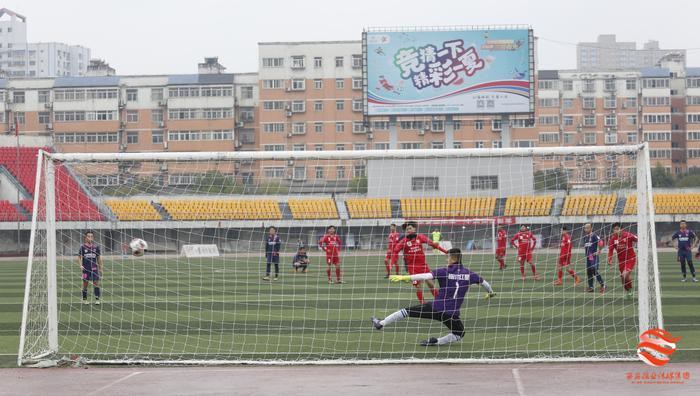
(174, 309)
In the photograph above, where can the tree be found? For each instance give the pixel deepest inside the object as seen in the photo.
(660, 177)
(550, 179)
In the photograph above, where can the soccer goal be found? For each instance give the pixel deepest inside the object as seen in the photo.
(250, 215)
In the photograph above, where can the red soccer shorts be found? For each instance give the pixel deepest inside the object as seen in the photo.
(627, 265)
(333, 260)
(500, 252)
(525, 256)
(564, 261)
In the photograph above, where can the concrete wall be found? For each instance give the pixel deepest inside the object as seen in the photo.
(393, 178)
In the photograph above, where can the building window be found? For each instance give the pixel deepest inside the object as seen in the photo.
(356, 61)
(496, 125)
(269, 105)
(318, 147)
(655, 83)
(630, 103)
(340, 147)
(653, 101)
(340, 172)
(484, 182)
(549, 102)
(44, 117)
(318, 105)
(588, 103)
(157, 116)
(610, 102)
(631, 84)
(273, 147)
(425, 184)
(457, 145)
(338, 61)
(132, 116)
(567, 103)
(298, 106)
(247, 92)
(547, 84)
(357, 105)
(499, 144)
(318, 62)
(568, 120)
(340, 105)
(609, 84)
(19, 117)
(272, 62)
(610, 120)
(589, 138)
(298, 84)
(411, 146)
(589, 120)
(318, 127)
(156, 94)
(299, 128)
(156, 137)
(318, 83)
(549, 120)
(356, 83)
(479, 144)
(588, 85)
(567, 85)
(18, 97)
(339, 83)
(549, 137)
(299, 147)
(132, 138)
(274, 173)
(44, 96)
(273, 127)
(273, 84)
(298, 62)
(568, 138)
(380, 125)
(132, 95)
(661, 118)
(381, 146)
(359, 146)
(478, 125)
(589, 174)
(319, 172)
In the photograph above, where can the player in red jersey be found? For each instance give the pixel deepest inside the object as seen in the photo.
(623, 242)
(393, 240)
(413, 253)
(502, 241)
(565, 258)
(330, 243)
(526, 242)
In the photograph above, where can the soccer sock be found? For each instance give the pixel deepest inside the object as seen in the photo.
(398, 315)
(692, 268)
(628, 282)
(337, 272)
(388, 268)
(397, 269)
(599, 278)
(328, 271)
(589, 275)
(559, 274)
(277, 269)
(267, 269)
(522, 268)
(501, 263)
(534, 270)
(683, 268)
(84, 294)
(572, 273)
(97, 292)
(448, 339)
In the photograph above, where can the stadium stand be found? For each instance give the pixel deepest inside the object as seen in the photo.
(667, 204)
(72, 203)
(309, 209)
(369, 208)
(447, 207)
(585, 205)
(229, 209)
(8, 212)
(133, 209)
(528, 206)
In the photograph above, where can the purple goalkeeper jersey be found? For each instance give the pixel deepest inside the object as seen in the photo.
(454, 282)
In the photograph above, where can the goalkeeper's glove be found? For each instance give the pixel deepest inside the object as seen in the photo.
(400, 278)
(487, 296)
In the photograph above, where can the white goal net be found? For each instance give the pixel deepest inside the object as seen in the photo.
(218, 285)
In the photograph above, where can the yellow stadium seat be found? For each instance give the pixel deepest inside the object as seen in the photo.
(133, 210)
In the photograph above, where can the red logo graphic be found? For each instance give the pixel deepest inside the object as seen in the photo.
(663, 338)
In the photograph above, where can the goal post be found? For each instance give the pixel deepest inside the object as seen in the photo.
(211, 289)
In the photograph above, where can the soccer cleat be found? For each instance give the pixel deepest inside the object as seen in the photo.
(275, 279)
(432, 341)
(537, 277)
(97, 302)
(377, 323)
(695, 279)
(683, 279)
(577, 280)
(588, 290)
(386, 276)
(629, 296)
(330, 282)
(602, 289)
(522, 277)
(86, 302)
(340, 281)
(557, 282)
(266, 277)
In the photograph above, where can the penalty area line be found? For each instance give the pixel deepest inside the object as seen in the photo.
(111, 384)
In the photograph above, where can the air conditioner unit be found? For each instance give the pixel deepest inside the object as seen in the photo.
(288, 108)
(290, 162)
(289, 134)
(165, 144)
(162, 103)
(122, 147)
(421, 132)
(288, 89)
(164, 167)
(48, 105)
(239, 124)
(122, 124)
(162, 124)
(49, 126)
(370, 136)
(237, 144)
(121, 105)
(289, 113)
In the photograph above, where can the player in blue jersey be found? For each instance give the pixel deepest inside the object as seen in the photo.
(454, 281)
(273, 243)
(591, 245)
(685, 238)
(90, 261)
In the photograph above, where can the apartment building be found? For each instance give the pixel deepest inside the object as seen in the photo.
(606, 53)
(20, 58)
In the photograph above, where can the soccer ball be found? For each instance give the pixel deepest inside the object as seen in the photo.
(138, 247)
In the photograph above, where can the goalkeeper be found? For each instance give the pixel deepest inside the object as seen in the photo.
(454, 282)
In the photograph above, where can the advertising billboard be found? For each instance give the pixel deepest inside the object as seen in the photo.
(448, 72)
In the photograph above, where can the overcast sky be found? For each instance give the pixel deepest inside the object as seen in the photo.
(161, 37)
